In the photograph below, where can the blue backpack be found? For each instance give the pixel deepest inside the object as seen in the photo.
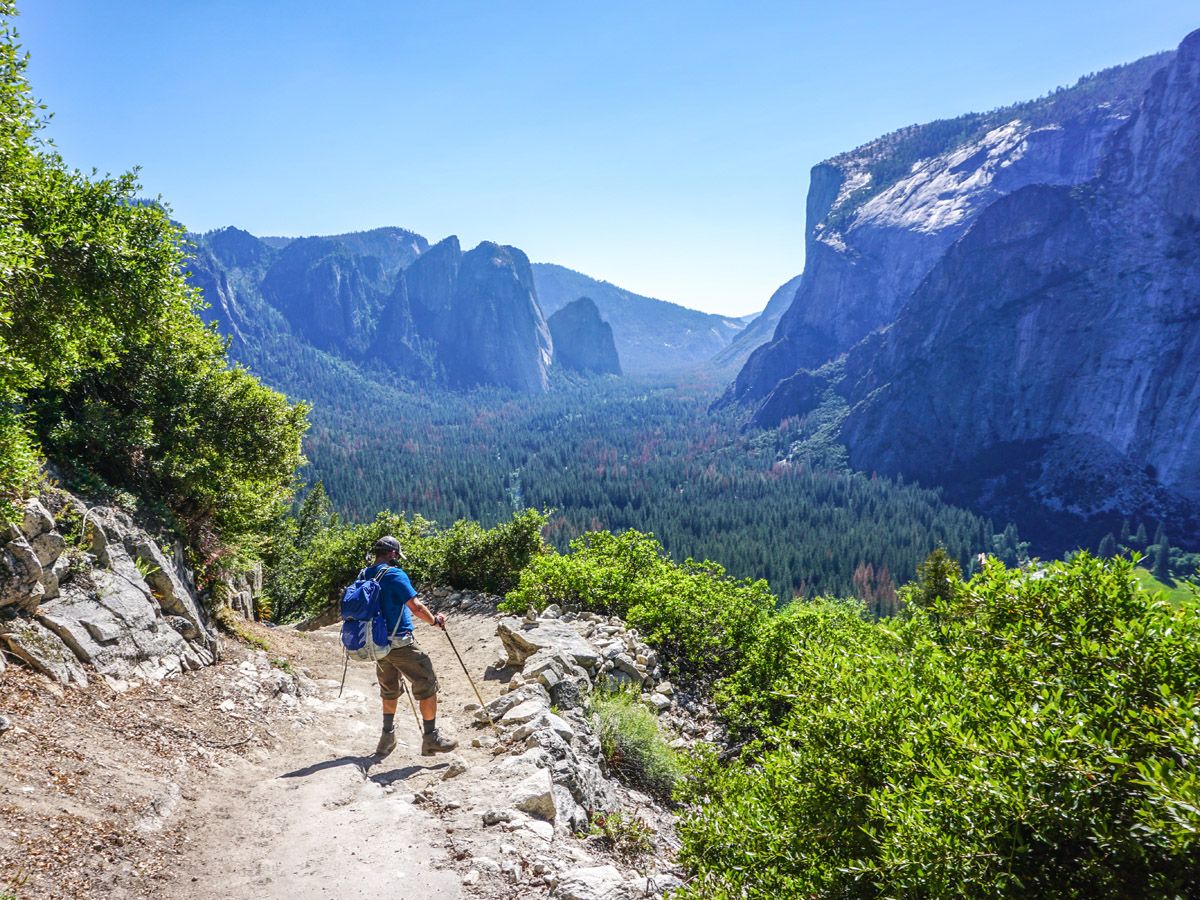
(364, 628)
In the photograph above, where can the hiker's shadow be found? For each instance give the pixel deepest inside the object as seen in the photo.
(363, 763)
(385, 778)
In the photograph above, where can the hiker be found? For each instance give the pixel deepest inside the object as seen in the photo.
(400, 602)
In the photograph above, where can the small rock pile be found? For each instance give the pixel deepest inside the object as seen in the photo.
(570, 653)
(119, 605)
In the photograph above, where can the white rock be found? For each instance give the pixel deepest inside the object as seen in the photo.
(485, 864)
(496, 816)
(658, 702)
(543, 830)
(523, 712)
(535, 795)
(591, 883)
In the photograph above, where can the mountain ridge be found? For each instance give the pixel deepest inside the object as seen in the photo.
(1042, 365)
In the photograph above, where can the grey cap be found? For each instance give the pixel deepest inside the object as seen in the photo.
(387, 543)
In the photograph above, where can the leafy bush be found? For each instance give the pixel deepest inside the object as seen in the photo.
(625, 835)
(1034, 734)
(633, 746)
(314, 556)
(469, 556)
(105, 364)
(700, 619)
(762, 691)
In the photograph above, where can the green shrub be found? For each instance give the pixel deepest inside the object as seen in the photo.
(699, 618)
(632, 744)
(625, 835)
(761, 692)
(313, 558)
(1036, 734)
(469, 556)
(105, 364)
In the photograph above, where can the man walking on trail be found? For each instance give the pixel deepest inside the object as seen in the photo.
(400, 602)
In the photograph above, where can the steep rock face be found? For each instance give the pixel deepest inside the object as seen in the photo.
(431, 282)
(1053, 353)
(498, 332)
(881, 217)
(653, 337)
(381, 299)
(330, 296)
(583, 342)
(121, 610)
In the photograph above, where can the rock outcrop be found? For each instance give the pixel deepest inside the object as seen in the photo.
(1062, 331)
(119, 607)
(382, 300)
(498, 334)
(652, 337)
(583, 342)
(551, 779)
(1019, 306)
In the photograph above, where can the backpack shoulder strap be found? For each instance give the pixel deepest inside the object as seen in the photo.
(382, 572)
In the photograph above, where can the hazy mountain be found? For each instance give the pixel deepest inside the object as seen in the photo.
(760, 329)
(653, 337)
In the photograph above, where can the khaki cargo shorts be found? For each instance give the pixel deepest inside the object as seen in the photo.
(414, 665)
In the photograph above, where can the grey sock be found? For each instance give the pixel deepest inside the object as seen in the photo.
(389, 720)
(430, 725)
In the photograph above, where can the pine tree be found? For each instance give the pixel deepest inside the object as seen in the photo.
(1108, 547)
(1140, 539)
(1162, 559)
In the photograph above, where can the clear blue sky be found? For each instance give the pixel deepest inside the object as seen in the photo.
(663, 146)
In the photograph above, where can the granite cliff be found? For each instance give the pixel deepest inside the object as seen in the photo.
(879, 217)
(653, 337)
(1040, 319)
(583, 342)
(380, 300)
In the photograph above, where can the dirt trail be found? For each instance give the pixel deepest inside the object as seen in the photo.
(320, 817)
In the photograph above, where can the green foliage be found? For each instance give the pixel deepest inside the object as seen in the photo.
(105, 364)
(700, 619)
(938, 580)
(311, 558)
(470, 556)
(761, 692)
(1031, 734)
(625, 835)
(633, 746)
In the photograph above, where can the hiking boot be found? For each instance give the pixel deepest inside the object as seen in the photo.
(436, 742)
(387, 743)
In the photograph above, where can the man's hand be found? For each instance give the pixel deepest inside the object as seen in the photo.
(439, 620)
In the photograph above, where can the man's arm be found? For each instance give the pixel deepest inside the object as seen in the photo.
(421, 611)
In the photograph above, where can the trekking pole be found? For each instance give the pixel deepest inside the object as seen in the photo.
(413, 706)
(345, 666)
(467, 672)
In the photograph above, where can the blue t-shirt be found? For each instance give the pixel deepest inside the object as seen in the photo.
(397, 590)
